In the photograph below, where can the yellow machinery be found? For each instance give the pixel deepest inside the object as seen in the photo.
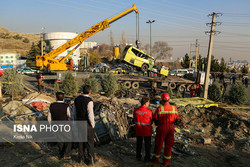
(48, 61)
(116, 52)
(195, 101)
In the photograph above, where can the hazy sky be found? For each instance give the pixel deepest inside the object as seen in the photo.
(178, 22)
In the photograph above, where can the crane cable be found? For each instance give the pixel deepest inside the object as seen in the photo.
(137, 42)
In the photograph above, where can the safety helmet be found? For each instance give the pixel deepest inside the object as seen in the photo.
(165, 96)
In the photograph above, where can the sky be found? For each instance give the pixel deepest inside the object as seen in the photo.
(177, 22)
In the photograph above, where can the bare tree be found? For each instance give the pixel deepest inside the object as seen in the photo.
(105, 51)
(123, 42)
(161, 50)
(146, 48)
(112, 41)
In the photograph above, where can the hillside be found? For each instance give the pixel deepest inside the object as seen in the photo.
(16, 42)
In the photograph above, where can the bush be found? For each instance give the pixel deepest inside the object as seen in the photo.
(92, 81)
(169, 91)
(233, 70)
(10, 75)
(214, 92)
(109, 84)
(244, 70)
(26, 40)
(69, 84)
(5, 35)
(238, 94)
(17, 37)
(57, 87)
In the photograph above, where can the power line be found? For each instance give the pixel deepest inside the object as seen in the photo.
(192, 11)
(191, 7)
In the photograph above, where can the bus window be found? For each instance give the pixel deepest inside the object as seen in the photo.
(136, 52)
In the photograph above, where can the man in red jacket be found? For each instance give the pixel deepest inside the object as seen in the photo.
(143, 120)
(164, 117)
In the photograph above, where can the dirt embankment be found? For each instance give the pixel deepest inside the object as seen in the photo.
(15, 42)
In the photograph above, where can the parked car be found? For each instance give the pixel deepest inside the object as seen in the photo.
(118, 71)
(230, 75)
(26, 70)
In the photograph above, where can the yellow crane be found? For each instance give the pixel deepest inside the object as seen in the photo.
(48, 61)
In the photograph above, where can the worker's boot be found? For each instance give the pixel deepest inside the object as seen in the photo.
(155, 160)
(166, 162)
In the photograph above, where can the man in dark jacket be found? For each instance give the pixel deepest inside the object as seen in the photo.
(60, 111)
(84, 110)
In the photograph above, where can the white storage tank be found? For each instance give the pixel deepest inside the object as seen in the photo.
(57, 39)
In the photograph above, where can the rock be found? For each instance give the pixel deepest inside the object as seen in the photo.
(207, 141)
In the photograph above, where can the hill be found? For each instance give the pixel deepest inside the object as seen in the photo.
(15, 42)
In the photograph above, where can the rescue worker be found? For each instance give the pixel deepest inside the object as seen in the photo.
(191, 91)
(143, 128)
(39, 82)
(164, 117)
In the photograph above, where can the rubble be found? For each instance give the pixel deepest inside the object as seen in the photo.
(112, 121)
(221, 126)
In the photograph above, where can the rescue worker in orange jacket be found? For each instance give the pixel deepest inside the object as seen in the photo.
(143, 128)
(164, 117)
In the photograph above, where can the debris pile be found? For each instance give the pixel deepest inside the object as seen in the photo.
(112, 121)
(29, 108)
(212, 125)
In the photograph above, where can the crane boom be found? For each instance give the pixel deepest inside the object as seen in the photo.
(49, 60)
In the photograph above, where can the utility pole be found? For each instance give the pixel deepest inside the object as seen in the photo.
(42, 34)
(196, 54)
(190, 56)
(210, 47)
(150, 22)
(199, 54)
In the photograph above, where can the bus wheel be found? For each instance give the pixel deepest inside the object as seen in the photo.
(127, 84)
(144, 67)
(135, 85)
(172, 85)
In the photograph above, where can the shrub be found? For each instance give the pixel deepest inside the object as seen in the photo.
(10, 75)
(169, 91)
(233, 70)
(214, 92)
(26, 40)
(92, 81)
(109, 84)
(238, 94)
(17, 37)
(69, 84)
(5, 35)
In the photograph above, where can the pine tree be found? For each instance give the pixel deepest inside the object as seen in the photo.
(244, 70)
(214, 92)
(185, 62)
(223, 66)
(35, 50)
(69, 84)
(109, 84)
(57, 87)
(238, 94)
(91, 81)
(11, 76)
